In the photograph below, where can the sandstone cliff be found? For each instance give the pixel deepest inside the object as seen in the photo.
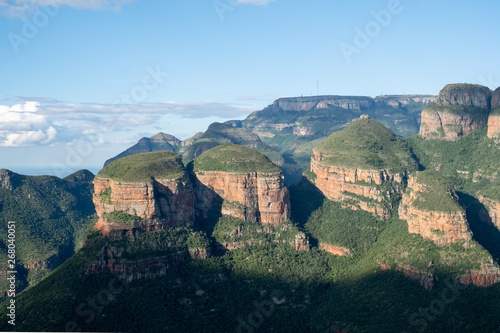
(431, 209)
(460, 109)
(250, 187)
(162, 199)
(363, 166)
(494, 125)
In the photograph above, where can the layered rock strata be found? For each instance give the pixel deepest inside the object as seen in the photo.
(252, 196)
(438, 225)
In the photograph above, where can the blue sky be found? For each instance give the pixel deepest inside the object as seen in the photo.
(83, 80)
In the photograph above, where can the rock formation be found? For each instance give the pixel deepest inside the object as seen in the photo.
(488, 275)
(493, 210)
(494, 125)
(460, 109)
(336, 250)
(250, 187)
(161, 199)
(431, 209)
(353, 167)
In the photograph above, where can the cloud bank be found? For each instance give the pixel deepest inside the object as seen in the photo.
(40, 121)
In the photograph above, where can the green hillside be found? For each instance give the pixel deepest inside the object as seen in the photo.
(143, 167)
(367, 144)
(51, 215)
(233, 158)
(219, 134)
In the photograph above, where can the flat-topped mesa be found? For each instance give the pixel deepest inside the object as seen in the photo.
(460, 109)
(244, 182)
(431, 208)
(364, 166)
(322, 102)
(494, 119)
(142, 192)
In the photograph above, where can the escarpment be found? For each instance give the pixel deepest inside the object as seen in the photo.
(363, 166)
(243, 183)
(459, 110)
(431, 209)
(143, 192)
(494, 119)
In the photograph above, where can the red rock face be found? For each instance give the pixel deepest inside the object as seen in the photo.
(486, 276)
(336, 250)
(160, 203)
(440, 227)
(443, 125)
(494, 126)
(250, 196)
(336, 181)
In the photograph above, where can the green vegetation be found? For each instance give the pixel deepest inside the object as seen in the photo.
(51, 215)
(106, 195)
(220, 134)
(306, 291)
(437, 193)
(229, 229)
(471, 163)
(122, 217)
(369, 145)
(234, 158)
(144, 167)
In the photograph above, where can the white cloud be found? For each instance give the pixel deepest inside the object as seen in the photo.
(21, 125)
(47, 121)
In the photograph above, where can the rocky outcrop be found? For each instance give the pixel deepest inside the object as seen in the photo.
(493, 210)
(494, 125)
(356, 188)
(424, 278)
(158, 203)
(460, 109)
(488, 275)
(468, 95)
(440, 224)
(116, 260)
(441, 124)
(6, 179)
(251, 196)
(336, 250)
(301, 242)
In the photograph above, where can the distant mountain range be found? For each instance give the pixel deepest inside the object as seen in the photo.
(287, 130)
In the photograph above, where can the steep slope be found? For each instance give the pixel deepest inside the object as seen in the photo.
(219, 134)
(494, 119)
(143, 192)
(244, 182)
(460, 109)
(158, 142)
(51, 216)
(363, 166)
(430, 206)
